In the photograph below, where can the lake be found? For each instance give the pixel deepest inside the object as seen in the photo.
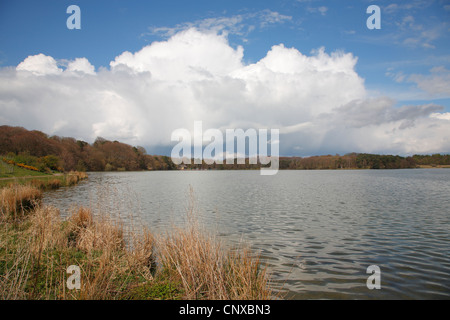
(318, 231)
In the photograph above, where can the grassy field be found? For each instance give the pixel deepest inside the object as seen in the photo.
(37, 246)
(11, 171)
(14, 175)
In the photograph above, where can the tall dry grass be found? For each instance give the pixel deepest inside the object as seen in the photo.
(73, 177)
(187, 262)
(89, 235)
(46, 184)
(101, 241)
(14, 257)
(209, 269)
(17, 199)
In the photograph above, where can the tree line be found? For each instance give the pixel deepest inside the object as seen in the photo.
(44, 152)
(37, 149)
(347, 161)
(364, 161)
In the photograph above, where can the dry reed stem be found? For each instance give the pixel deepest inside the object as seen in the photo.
(206, 268)
(189, 255)
(45, 229)
(14, 278)
(18, 199)
(104, 234)
(141, 254)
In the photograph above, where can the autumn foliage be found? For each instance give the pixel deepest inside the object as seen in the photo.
(37, 151)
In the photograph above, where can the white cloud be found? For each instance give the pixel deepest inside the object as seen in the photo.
(317, 101)
(42, 65)
(188, 55)
(81, 65)
(322, 10)
(391, 8)
(268, 17)
(423, 37)
(241, 24)
(39, 65)
(435, 83)
(416, 5)
(407, 25)
(442, 116)
(302, 86)
(378, 111)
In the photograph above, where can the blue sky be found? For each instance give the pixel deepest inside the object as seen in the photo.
(407, 60)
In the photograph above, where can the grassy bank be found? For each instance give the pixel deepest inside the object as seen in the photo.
(37, 246)
(9, 171)
(45, 182)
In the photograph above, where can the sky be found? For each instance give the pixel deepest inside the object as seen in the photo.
(138, 70)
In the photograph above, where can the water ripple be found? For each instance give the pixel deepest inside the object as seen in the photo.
(318, 231)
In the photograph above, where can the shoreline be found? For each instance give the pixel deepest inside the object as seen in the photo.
(116, 262)
(255, 169)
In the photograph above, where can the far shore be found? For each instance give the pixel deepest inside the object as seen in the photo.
(5, 180)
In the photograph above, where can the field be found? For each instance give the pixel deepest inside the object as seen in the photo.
(14, 175)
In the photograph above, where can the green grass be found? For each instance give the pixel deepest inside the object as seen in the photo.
(17, 175)
(158, 289)
(12, 175)
(11, 171)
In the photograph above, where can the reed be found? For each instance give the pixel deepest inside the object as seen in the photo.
(185, 263)
(73, 177)
(208, 268)
(14, 255)
(53, 184)
(17, 200)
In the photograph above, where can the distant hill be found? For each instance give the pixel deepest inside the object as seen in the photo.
(34, 148)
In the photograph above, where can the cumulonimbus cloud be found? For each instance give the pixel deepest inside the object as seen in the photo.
(317, 100)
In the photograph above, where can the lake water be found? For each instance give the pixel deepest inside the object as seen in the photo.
(317, 230)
